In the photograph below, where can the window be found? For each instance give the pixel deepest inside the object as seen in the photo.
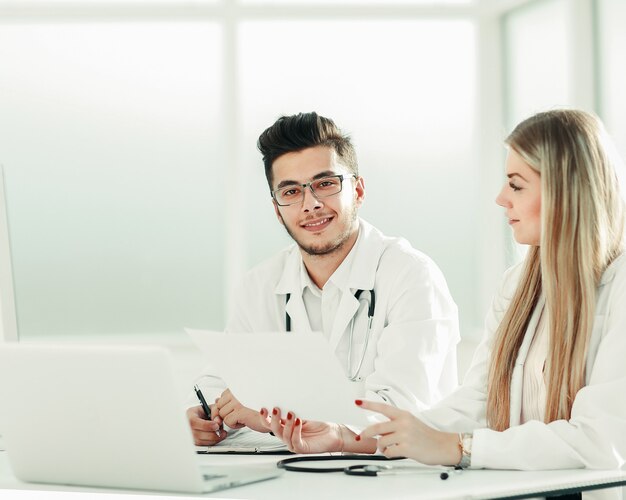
(612, 44)
(116, 168)
(110, 146)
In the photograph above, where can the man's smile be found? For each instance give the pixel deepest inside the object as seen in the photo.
(316, 224)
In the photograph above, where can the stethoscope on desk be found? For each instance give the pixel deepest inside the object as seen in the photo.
(369, 470)
(370, 316)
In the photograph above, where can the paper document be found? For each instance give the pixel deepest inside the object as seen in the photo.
(246, 441)
(293, 372)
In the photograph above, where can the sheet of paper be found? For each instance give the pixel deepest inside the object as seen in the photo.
(247, 440)
(294, 372)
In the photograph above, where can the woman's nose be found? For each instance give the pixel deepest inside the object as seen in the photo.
(502, 199)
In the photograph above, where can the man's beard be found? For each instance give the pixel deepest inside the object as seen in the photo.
(332, 246)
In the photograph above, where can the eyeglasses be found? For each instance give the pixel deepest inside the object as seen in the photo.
(321, 188)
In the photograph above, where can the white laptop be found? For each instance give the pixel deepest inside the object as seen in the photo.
(103, 416)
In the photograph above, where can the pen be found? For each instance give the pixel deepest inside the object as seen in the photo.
(205, 406)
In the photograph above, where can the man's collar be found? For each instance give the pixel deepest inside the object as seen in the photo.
(305, 279)
(366, 254)
(341, 277)
(289, 281)
(357, 271)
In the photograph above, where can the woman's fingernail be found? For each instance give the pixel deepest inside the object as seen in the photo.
(357, 438)
(274, 411)
(297, 421)
(289, 415)
(358, 402)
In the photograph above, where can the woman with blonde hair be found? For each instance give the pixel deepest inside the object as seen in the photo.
(546, 386)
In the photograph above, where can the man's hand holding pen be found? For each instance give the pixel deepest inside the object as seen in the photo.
(206, 423)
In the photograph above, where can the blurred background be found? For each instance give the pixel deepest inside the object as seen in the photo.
(135, 194)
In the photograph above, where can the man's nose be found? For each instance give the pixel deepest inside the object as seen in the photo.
(310, 201)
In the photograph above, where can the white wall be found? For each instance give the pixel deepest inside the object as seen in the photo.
(8, 325)
(111, 147)
(611, 17)
(405, 91)
(563, 53)
(136, 194)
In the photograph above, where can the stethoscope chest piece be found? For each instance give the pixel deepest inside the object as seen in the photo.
(366, 470)
(374, 470)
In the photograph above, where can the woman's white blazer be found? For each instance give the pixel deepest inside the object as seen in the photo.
(595, 435)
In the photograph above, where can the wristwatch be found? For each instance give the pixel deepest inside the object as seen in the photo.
(465, 445)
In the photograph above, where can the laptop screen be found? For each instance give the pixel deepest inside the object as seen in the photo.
(8, 322)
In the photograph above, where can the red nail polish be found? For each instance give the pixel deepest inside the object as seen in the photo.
(274, 411)
(297, 421)
(289, 415)
(358, 402)
(357, 438)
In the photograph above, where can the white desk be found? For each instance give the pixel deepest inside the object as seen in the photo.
(477, 484)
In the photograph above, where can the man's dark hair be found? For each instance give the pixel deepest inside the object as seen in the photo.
(302, 131)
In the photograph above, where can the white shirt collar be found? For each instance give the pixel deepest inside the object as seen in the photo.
(339, 278)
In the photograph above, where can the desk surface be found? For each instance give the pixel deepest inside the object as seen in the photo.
(477, 484)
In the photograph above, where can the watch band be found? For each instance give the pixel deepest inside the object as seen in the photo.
(465, 445)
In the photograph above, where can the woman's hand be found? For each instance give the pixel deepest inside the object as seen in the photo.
(302, 436)
(404, 435)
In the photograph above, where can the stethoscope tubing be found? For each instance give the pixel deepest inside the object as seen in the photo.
(370, 316)
(372, 305)
(366, 470)
(288, 464)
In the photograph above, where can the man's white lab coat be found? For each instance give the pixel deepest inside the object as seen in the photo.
(410, 360)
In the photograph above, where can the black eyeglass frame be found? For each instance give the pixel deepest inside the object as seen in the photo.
(341, 177)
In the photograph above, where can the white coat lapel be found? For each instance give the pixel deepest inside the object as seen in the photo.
(348, 308)
(297, 312)
(368, 250)
(290, 283)
(517, 377)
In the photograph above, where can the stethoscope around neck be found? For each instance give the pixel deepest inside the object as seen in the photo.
(354, 376)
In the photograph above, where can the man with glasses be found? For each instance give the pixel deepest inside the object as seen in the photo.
(383, 306)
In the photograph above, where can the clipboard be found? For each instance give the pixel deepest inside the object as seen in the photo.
(246, 442)
(239, 450)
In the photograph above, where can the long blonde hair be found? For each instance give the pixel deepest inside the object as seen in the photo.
(582, 232)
